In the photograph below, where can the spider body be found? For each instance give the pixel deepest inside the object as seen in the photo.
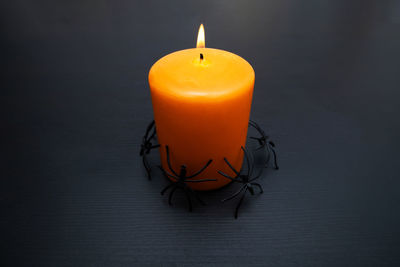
(147, 145)
(246, 179)
(180, 181)
(264, 142)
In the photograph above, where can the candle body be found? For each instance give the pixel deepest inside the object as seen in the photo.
(201, 109)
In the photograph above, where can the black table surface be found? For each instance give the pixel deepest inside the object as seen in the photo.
(75, 103)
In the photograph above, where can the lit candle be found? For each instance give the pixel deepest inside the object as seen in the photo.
(201, 101)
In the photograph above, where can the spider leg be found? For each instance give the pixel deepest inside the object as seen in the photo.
(189, 200)
(271, 148)
(259, 141)
(240, 203)
(166, 174)
(257, 127)
(170, 195)
(146, 166)
(169, 162)
(271, 144)
(253, 124)
(166, 188)
(258, 175)
(249, 168)
(155, 146)
(233, 169)
(141, 150)
(275, 159)
(149, 128)
(260, 130)
(251, 158)
(201, 180)
(235, 194)
(259, 186)
(153, 133)
(201, 170)
(251, 189)
(267, 155)
(260, 147)
(227, 176)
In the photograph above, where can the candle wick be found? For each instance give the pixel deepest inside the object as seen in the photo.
(201, 57)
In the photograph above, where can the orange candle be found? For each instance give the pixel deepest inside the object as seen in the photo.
(201, 101)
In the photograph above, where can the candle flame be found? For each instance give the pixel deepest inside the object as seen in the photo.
(201, 40)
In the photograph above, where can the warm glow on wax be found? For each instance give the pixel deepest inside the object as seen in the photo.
(201, 40)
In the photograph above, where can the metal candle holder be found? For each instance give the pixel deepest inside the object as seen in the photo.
(180, 180)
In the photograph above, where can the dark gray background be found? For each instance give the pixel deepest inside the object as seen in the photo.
(75, 103)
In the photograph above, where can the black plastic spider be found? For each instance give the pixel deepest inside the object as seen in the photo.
(181, 181)
(245, 179)
(264, 142)
(147, 146)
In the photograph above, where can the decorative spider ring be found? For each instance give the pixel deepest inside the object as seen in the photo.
(181, 180)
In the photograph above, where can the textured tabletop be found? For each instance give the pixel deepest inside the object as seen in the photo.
(75, 104)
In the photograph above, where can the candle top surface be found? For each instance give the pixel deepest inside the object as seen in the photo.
(219, 73)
